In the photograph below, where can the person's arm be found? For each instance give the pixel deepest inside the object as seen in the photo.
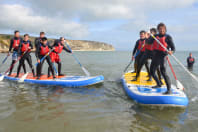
(37, 51)
(135, 48)
(170, 43)
(66, 49)
(31, 46)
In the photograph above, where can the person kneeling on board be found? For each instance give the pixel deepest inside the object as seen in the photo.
(54, 55)
(138, 51)
(190, 61)
(42, 50)
(25, 49)
(14, 44)
(159, 58)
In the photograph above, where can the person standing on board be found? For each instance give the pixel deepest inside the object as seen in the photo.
(159, 58)
(41, 51)
(14, 45)
(25, 49)
(139, 49)
(54, 55)
(190, 61)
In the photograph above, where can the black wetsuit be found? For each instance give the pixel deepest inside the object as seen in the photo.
(140, 54)
(15, 50)
(59, 62)
(39, 56)
(26, 56)
(190, 62)
(159, 59)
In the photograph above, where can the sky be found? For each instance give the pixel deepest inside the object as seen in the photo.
(116, 22)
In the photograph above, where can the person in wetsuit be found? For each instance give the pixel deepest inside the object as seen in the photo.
(14, 45)
(138, 51)
(190, 61)
(159, 58)
(41, 51)
(148, 54)
(54, 55)
(25, 49)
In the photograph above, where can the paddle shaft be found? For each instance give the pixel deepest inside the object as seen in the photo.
(193, 76)
(171, 67)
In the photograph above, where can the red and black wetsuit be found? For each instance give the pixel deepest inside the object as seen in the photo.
(25, 49)
(190, 62)
(159, 58)
(58, 47)
(139, 47)
(41, 51)
(14, 46)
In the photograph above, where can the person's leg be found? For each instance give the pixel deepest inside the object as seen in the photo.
(159, 75)
(148, 70)
(165, 75)
(50, 65)
(29, 60)
(11, 67)
(24, 68)
(21, 62)
(154, 64)
(39, 68)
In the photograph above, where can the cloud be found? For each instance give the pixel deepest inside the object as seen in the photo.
(24, 19)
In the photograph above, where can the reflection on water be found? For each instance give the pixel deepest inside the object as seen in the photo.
(99, 108)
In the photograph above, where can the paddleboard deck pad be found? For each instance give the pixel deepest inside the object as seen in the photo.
(141, 91)
(67, 81)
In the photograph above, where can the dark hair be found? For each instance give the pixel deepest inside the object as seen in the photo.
(142, 31)
(161, 25)
(26, 35)
(43, 39)
(41, 33)
(16, 31)
(62, 38)
(153, 30)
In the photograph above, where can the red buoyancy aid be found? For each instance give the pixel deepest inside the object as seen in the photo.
(25, 47)
(149, 47)
(58, 49)
(157, 46)
(141, 45)
(191, 59)
(16, 43)
(44, 50)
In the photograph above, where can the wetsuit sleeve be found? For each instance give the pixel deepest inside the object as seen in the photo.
(11, 43)
(135, 48)
(66, 49)
(170, 43)
(37, 51)
(31, 45)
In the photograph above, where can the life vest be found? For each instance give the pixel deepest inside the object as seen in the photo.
(157, 46)
(25, 47)
(58, 49)
(141, 45)
(44, 50)
(16, 43)
(191, 60)
(149, 47)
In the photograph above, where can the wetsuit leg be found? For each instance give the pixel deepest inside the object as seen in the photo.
(164, 73)
(154, 65)
(29, 60)
(141, 63)
(159, 73)
(50, 65)
(24, 68)
(39, 68)
(11, 67)
(59, 68)
(21, 63)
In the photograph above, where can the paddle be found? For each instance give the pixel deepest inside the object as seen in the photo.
(85, 71)
(136, 54)
(193, 76)
(178, 83)
(2, 76)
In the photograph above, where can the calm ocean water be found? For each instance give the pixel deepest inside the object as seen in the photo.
(99, 108)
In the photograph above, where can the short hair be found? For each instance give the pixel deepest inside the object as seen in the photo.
(153, 30)
(26, 35)
(142, 31)
(16, 31)
(161, 25)
(62, 38)
(44, 39)
(42, 33)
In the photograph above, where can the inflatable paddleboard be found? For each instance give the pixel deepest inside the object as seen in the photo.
(67, 81)
(142, 92)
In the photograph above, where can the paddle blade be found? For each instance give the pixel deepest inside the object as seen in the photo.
(85, 71)
(179, 85)
(23, 78)
(1, 77)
